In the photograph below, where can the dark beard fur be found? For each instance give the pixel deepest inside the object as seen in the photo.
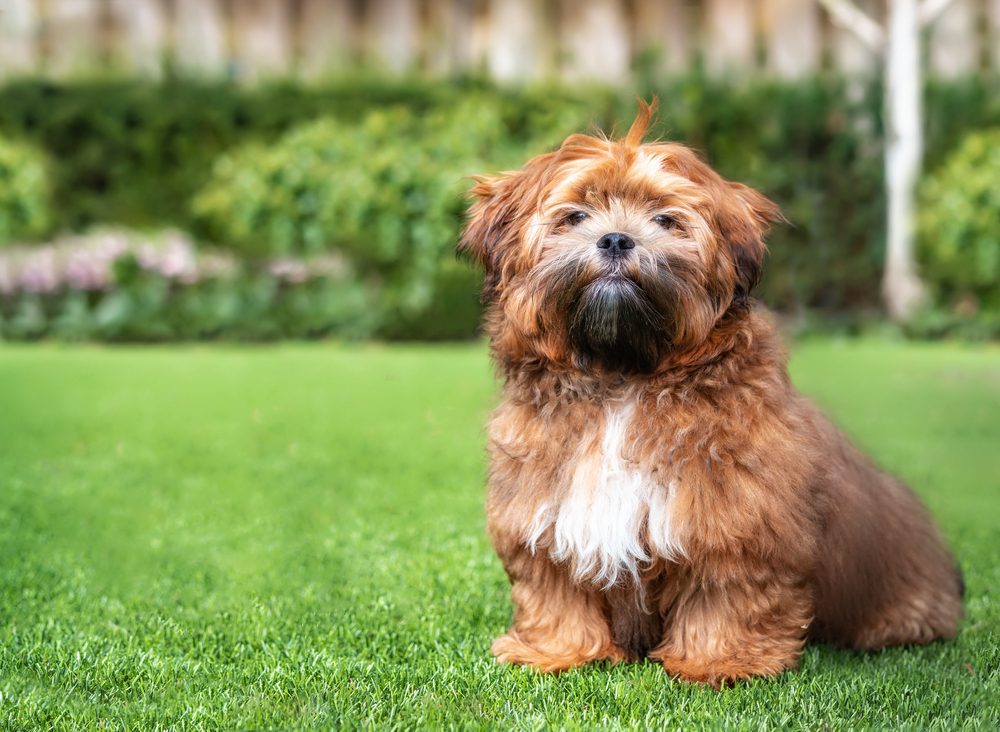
(615, 324)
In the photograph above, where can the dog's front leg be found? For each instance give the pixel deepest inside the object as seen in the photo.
(742, 619)
(557, 624)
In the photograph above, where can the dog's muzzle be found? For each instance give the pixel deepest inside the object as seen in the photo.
(613, 322)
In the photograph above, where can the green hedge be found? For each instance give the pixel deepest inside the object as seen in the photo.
(387, 191)
(139, 155)
(959, 227)
(24, 191)
(132, 152)
(959, 222)
(147, 307)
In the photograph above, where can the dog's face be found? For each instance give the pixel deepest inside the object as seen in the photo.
(613, 254)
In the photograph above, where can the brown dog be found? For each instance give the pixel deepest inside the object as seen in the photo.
(657, 487)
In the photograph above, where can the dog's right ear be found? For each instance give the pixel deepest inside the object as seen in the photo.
(488, 220)
(495, 220)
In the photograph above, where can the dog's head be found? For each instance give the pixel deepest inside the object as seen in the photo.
(612, 254)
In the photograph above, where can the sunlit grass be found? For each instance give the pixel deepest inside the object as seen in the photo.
(293, 536)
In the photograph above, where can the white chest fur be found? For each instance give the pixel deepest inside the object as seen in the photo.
(612, 517)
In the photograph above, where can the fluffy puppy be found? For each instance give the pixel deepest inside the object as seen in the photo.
(657, 487)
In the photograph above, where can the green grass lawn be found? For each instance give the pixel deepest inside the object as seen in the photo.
(271, 537)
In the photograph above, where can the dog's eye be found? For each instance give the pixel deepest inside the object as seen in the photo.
(667, 222)
(575, 217)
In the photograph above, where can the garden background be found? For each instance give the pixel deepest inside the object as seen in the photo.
(201, 531)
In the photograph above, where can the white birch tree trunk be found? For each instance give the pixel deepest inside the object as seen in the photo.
(902, 290)
(901, 287)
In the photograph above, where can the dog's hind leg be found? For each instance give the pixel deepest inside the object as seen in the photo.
(891, 580)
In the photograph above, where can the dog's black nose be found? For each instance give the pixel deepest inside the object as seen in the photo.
(615, 243)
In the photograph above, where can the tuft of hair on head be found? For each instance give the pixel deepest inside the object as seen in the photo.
(637, 132)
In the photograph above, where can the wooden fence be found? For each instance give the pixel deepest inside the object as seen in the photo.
(249, 40)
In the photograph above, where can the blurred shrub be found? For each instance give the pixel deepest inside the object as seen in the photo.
(959, 228)
(146, 306)
(453, 312)
(364, 189)
(388, 192)
(113, 284)
(24, 191)
(132, 152)
(136, 153)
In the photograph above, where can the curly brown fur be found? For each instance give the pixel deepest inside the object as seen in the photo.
(657, 487)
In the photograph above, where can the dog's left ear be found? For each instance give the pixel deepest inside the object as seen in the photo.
(744, 221)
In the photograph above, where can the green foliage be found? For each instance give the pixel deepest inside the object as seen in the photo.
(452, 314)
(959, 226)
(24, 191)
(387, 191)
(363, 189)
(147, 307)
(137, 154)
(293, 538)
(134, 153)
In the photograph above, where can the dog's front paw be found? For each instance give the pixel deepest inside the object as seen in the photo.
(510, 648)
(719, 673)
